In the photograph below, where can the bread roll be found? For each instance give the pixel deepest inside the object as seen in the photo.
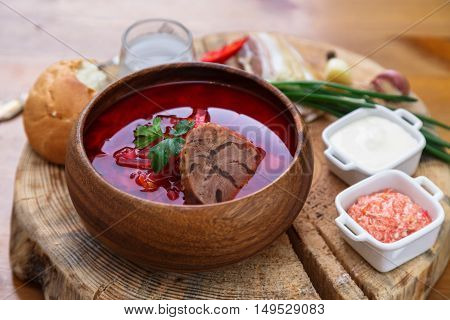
(54, 103)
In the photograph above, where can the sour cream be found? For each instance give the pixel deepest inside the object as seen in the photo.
(373, 142)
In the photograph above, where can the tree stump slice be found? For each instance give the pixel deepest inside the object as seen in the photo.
(49, 245)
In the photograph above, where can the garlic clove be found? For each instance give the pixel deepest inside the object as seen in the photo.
(338, 71)
(12, 108)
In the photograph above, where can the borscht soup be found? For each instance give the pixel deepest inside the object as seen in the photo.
(191, 143)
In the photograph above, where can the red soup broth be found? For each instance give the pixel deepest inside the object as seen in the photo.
(109, 138)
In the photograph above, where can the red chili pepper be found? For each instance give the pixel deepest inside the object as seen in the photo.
(224, 53)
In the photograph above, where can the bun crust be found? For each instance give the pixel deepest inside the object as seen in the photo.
(53, 105)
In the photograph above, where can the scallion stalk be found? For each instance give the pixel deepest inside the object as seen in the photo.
(431, 150)
(338, 100)
(434, 139)
(355, 92)
(319, 91)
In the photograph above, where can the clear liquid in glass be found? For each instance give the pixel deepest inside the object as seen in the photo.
(153, 49)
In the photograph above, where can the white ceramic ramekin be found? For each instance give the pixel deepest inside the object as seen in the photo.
(351, 172)
(387, 256)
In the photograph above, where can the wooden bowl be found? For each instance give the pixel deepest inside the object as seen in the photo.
(187, 237)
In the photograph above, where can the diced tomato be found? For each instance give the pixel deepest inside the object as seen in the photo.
(144, 181)
(173, 194)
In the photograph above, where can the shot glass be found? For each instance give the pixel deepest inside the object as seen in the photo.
(152, 42)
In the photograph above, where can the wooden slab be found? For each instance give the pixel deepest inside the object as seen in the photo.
(49, 246)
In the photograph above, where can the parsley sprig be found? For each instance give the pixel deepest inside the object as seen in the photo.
(182, 128)
(167, 147)
(144, 135)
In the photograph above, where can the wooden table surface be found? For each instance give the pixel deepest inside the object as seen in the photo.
(419, 31)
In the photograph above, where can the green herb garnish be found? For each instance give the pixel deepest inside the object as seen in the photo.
(144, 135)
(182, 127)
(160, 153)
(169, 146)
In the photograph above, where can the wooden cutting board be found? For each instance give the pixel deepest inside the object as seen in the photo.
(49, 246)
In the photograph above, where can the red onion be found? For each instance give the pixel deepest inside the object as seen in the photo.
(391, 81)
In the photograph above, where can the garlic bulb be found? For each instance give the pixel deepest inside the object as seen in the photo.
(12, 108)
(338, 71)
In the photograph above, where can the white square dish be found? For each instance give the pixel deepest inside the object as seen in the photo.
(352, 172)
(387, 256)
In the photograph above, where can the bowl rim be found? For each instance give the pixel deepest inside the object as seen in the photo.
(300, 128)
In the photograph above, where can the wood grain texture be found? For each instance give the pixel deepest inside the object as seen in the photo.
(335, 270)
(55, 251)
(412, 280)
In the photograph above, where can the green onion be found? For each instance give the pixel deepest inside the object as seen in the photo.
(316, 91)
(434, 139)
(338, 100)
(356, 102)
(433, 151)
(335, 113)
(431, 121)
(356, 92)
